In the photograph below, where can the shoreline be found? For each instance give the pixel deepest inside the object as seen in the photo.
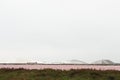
(61, 66)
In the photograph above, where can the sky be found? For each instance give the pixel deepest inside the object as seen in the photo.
(59, 30)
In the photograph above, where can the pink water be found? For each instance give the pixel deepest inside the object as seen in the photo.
(64, 67)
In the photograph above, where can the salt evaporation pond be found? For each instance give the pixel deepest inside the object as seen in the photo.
(63, 67)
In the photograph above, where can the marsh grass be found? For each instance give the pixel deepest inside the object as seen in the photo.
(50, 74)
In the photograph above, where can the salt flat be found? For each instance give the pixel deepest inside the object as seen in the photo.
(61, 67)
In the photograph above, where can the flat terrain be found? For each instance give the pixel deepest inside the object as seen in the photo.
(50, 74)
(61, 67)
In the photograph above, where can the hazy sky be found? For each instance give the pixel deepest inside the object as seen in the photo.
(59, 30)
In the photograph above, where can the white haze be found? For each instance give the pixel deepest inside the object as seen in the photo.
(59, 30)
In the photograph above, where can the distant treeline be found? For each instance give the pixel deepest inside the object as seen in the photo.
(49, 74)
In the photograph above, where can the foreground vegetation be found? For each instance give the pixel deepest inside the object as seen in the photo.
(49, 74)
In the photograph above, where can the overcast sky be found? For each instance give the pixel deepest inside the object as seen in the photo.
(59, 30)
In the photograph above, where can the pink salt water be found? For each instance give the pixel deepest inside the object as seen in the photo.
(63, 67)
